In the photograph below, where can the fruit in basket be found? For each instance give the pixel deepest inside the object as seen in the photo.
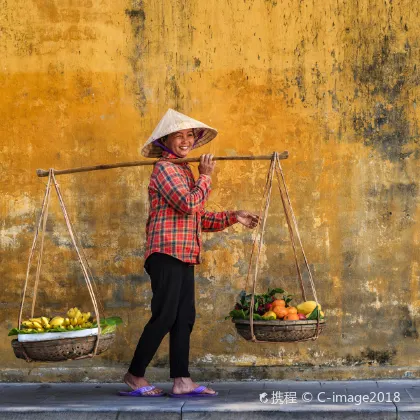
(269, 315)
(279, 302)
(280, 311)
(291, 317)
(45, 322)
(302, 317)
(292, 310)
(57, 321)
(268, 306)
(307, 307)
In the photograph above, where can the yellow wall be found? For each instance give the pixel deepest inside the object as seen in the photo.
(334, 83)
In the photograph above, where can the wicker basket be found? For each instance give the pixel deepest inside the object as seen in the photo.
(62, 349)
(277, 330)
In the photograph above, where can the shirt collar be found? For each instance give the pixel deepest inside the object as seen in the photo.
(168, 155)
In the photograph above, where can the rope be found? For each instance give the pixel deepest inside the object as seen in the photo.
(41, 251)
(31, 253)
(297, 231)
(267, 205)
(84, 270)
(275, 167)
(292, 238)
(87, 272)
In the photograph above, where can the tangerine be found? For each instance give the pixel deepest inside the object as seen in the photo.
(278, 302)
(291, 317)
(292, 310)
(280, 311)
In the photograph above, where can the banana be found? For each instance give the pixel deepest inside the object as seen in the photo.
(36, 320)
(37, 325)
(66, 322)
(27, 324)
(70, 327)
(57, 321)
(40, 329)
(73, 322)
(45, 322)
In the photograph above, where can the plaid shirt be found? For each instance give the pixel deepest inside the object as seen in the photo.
(176, 215)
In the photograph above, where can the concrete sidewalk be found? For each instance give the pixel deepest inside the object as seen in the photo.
(385, 399)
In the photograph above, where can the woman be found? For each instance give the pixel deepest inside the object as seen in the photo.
(173, 231)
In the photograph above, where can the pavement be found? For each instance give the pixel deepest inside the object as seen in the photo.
(256, 400)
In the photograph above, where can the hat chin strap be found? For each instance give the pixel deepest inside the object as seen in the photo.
(162, 146)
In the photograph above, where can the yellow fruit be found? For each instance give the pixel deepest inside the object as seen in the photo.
(70, 313)
(45, 321)
(73, 322)
(40, 329)
(269, 315)
(36, 324)
(66, 322)
(36, 320)
(322, 314)
(70, 327)
(307, 307)
(28, 324)
(57, 321)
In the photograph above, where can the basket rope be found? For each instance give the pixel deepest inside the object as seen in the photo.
(87, 273)
(275, 168)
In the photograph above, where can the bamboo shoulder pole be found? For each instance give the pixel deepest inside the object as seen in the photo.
(43, 172)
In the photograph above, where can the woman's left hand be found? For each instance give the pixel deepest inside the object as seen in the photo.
(247, 219)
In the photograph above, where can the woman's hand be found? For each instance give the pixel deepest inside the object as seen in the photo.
(247, 219)
(206, 165)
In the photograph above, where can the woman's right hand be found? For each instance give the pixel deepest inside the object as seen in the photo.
(206, 165)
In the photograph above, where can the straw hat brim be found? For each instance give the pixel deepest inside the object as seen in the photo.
(174, 121)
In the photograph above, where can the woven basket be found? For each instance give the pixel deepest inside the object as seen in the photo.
(62, 349)
(277, 330)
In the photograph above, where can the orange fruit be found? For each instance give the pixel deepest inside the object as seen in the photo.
(280, 311)
(291, 317)
(292, 310)
(278, 302)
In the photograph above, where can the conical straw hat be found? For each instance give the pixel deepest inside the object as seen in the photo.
(174, 121)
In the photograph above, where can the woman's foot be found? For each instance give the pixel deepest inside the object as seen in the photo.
(186, 385)
(136, 382)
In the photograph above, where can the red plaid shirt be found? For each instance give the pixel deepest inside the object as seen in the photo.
(176, 215)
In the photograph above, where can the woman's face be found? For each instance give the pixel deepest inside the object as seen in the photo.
(181, 142)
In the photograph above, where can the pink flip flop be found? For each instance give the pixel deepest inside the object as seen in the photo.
(141, 392)
(197, 392)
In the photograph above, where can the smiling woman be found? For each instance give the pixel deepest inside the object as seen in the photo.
(181, 142)
(173, 243)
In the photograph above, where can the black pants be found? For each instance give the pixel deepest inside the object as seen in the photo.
(173, 311)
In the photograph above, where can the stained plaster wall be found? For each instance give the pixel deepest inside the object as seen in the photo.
(335, 83)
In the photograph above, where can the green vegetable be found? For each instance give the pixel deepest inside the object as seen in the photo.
(314, 315)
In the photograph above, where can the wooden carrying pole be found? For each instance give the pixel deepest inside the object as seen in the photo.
(43, 172)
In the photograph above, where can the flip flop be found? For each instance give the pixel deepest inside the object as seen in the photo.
(197, 392)
(141, 392)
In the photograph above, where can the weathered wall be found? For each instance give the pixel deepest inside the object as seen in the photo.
(335, 83)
